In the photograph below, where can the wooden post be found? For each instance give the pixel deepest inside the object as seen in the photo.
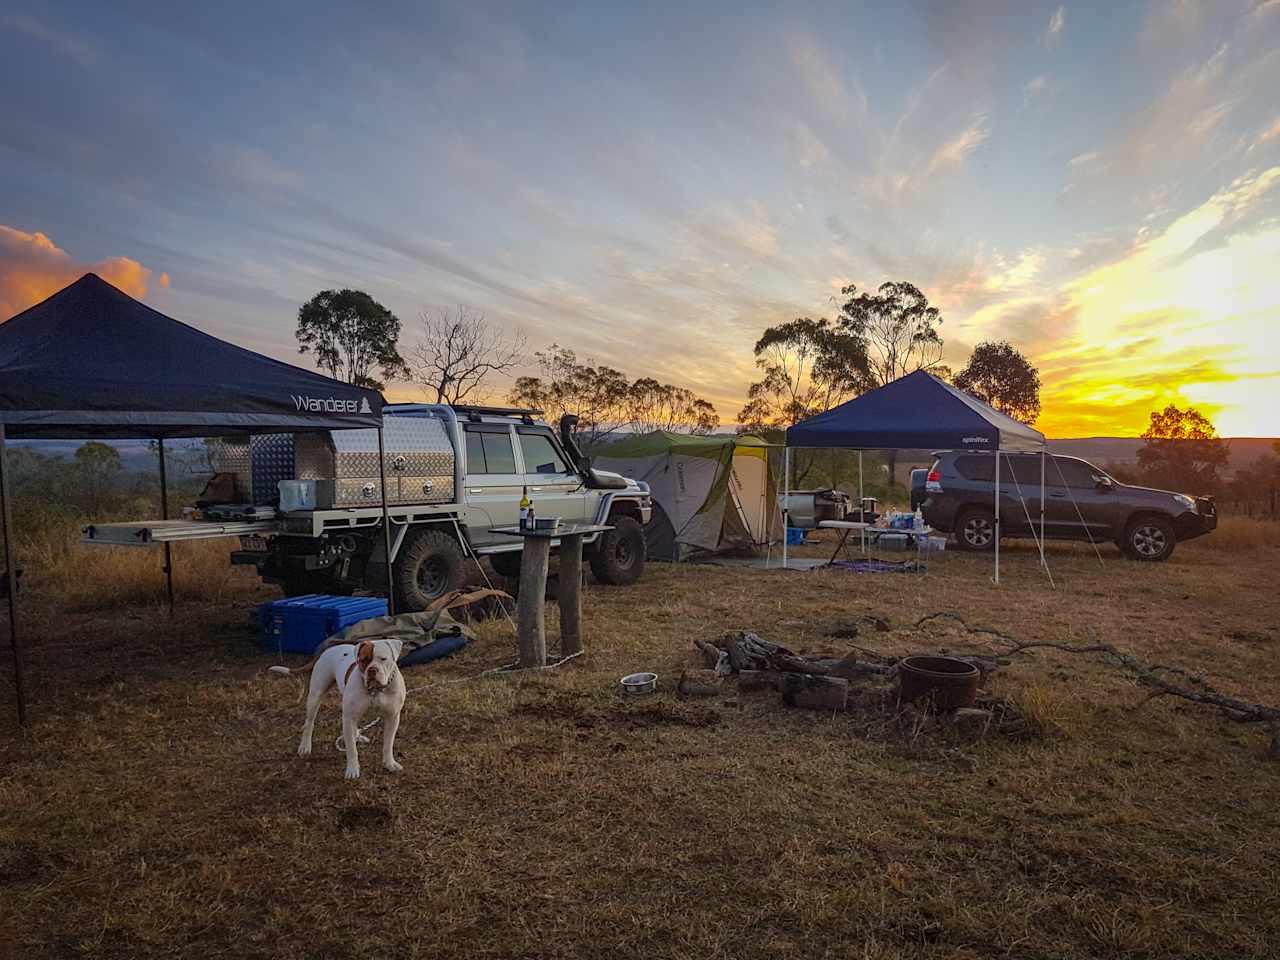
(531, 618)
(570, 594)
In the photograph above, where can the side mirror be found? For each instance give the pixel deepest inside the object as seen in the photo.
(1104, 483)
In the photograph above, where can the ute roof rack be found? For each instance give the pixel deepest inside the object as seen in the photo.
(475, 411)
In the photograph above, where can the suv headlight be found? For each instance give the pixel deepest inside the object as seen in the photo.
(1185, 501)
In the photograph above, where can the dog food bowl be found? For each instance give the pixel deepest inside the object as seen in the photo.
(639, 684)
(949, 682)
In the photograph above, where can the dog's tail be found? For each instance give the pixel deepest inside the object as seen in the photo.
(286, 671)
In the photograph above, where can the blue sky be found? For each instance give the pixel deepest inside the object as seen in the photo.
(653, 185)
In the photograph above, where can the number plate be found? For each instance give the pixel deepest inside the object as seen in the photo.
(253, 542)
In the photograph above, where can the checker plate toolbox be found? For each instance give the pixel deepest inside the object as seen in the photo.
(419, 463)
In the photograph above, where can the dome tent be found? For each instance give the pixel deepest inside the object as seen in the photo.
(710, 494)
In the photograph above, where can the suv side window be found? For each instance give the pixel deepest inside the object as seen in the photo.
(540, 454)
(1026, 470)
(976, 467)
(1077, 473)
(490, 451)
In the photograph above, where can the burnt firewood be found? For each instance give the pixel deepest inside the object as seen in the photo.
(814, 692)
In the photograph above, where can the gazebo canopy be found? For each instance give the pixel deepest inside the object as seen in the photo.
(917, 411)
(91, 361)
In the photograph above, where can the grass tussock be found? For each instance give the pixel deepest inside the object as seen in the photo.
(1236, 534)
(155, 807)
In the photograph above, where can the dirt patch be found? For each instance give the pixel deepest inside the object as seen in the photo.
(364, 816)
(586, 713)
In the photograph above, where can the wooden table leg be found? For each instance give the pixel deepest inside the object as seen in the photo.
(531, 620)
(570, 595)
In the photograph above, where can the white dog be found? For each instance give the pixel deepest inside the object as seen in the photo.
(378, 684)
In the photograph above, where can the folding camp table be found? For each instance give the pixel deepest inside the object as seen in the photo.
(845, 527)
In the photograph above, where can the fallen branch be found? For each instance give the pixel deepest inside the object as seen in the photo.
(1149, 675)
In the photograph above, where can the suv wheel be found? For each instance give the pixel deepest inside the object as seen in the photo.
(618, 558)
(429, 566)
(1149, 538)
(976, 529)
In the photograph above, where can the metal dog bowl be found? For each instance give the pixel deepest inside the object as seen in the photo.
(639, 684)
(949, 682)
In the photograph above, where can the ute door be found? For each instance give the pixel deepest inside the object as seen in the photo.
(493, 483)
(555, 487)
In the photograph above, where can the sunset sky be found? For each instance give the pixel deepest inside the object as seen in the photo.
(653, 185)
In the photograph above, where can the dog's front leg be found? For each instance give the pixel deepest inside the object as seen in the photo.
(390, 724)
(350, 727)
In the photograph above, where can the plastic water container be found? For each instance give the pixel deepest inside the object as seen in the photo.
(934, 544)
(893, 541)
(795, 536)
(297, 495)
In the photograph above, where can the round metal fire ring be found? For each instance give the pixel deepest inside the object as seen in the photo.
(949, 682)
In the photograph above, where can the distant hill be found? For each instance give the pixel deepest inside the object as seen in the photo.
(1104, 450)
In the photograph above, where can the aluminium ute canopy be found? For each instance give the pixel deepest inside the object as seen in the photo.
(91, 361)
(917, 411)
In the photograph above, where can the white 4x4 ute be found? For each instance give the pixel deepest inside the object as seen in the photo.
(453, 475)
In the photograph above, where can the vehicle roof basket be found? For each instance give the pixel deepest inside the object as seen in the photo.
(476, 411)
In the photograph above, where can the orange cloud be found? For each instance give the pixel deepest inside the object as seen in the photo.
(32, 267)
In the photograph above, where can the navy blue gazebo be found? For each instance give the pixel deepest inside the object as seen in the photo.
(920, 411)
(91, 361)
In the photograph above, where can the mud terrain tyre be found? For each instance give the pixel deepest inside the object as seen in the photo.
(619, 554)
(975, 529)
(1150, 539)
(429, 565)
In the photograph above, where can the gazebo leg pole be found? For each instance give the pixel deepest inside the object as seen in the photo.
(1043, 562)
(386, 523)
(164, 515)
(786, 501)
(11, 566)
(997, 517)
(862, 516)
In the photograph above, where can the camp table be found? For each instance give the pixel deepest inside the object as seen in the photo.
(531, 624)
(845, 527)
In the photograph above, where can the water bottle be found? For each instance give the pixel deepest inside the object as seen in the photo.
(919, 521)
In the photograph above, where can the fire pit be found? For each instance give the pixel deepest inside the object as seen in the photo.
(950, 683)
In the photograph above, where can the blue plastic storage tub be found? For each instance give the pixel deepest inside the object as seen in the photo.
(300, 624)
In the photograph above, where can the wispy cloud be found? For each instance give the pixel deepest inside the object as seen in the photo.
(1057, 23)
(954, 151)
(77, 48)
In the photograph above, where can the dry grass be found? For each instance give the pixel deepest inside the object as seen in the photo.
(1236, 534)
(155, 807)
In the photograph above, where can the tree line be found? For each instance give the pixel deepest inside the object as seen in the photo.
(805, 366)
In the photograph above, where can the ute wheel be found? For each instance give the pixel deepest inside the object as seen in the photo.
(506, 564)
(1149, 538)
(975, 529)
(618, 558)
(429, 566)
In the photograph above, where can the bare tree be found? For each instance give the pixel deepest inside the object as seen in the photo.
(459, 350)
